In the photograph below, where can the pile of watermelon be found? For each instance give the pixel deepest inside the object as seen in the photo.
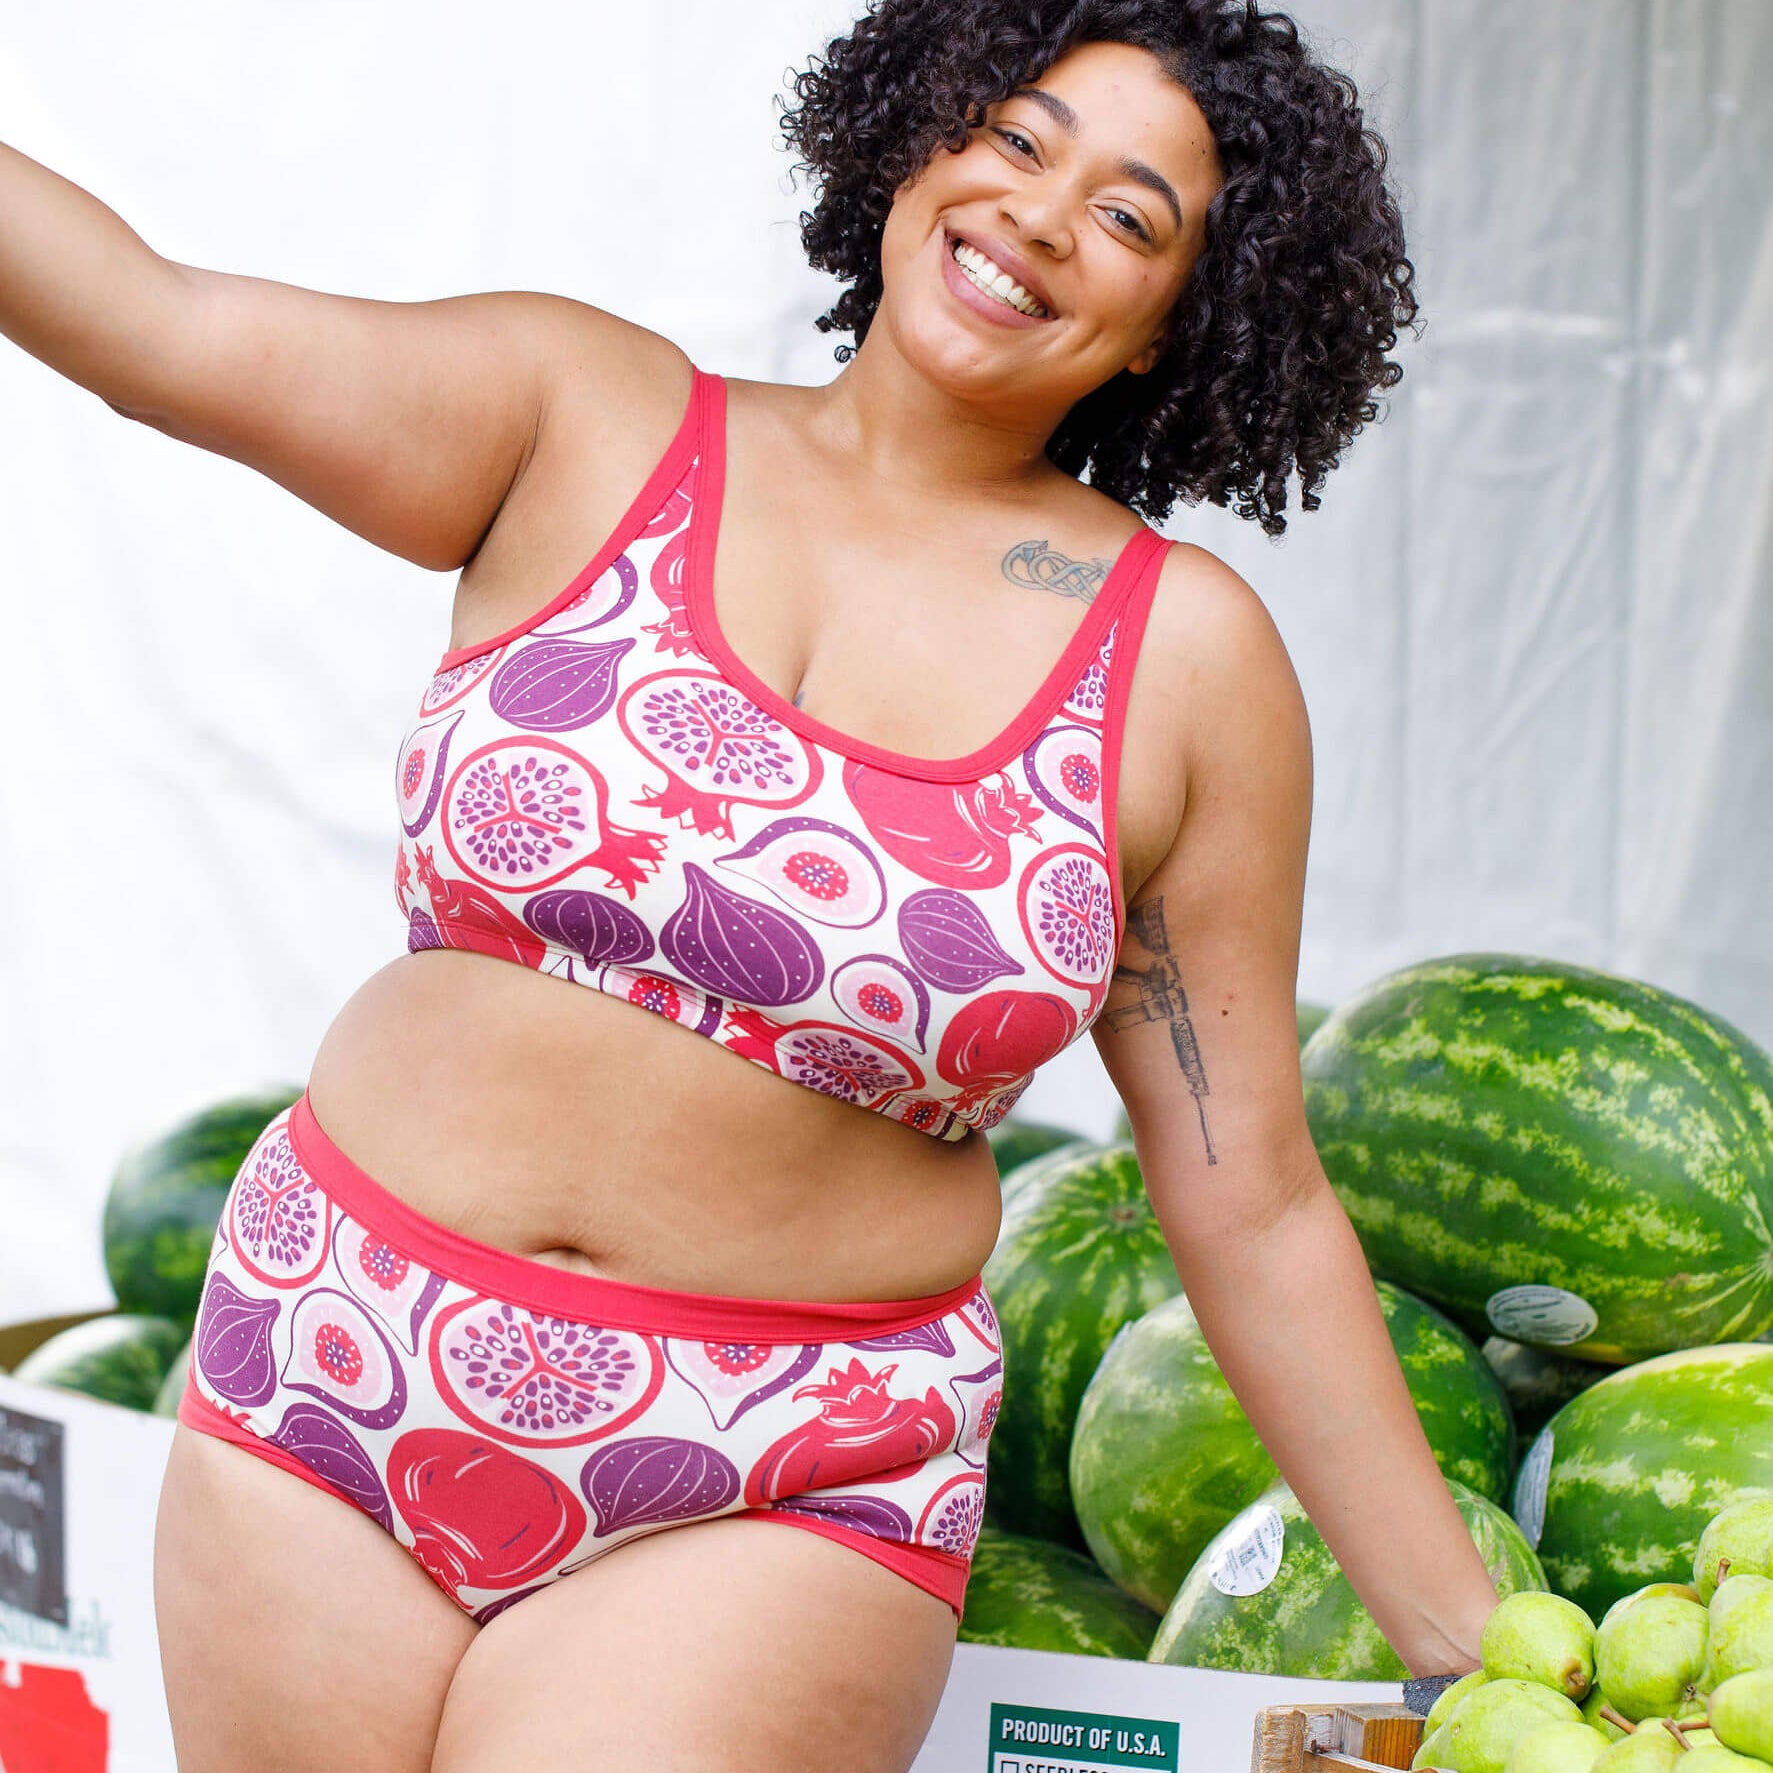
(1562, 1180)
(160, 1217)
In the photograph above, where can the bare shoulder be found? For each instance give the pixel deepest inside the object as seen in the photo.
(613, 390)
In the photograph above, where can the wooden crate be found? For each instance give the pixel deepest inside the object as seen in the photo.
(1315, 1739)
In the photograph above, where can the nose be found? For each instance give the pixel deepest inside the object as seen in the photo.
(1040, 212)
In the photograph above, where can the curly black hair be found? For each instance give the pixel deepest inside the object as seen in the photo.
(1274, 349)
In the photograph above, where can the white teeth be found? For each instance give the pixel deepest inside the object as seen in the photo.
(994, 280)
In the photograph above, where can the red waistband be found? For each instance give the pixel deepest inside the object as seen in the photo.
(587, 1298)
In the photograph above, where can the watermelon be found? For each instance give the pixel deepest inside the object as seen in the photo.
(165, 1202)
(122, 1358)
(1162, 1455)
(1029, 1594)
(1079, 1254)
(1297, 1614)
(1623, 1479)
(1013, 1142)
(1537, 1381)
(1583, 1161)
(172, 1388)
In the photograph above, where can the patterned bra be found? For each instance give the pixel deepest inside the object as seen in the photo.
(606, 793)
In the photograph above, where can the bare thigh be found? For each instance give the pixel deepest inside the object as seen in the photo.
(723, 1646)
(295, 1635)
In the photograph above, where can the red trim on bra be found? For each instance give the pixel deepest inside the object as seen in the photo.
(704, 521)
(644, 503)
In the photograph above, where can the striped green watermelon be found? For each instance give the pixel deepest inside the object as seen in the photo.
(1308, 1015)
(1162, 1455)
(1583, 1160)
(1305, 1621)
(172, 1387)
(1538, 1382)
(165, 1202)
(1014, 1142)
(1029, 1594)
(1623, 1479)
(121, 1357)
(1079, 1254)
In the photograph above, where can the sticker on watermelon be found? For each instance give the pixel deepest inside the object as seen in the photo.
(717, 749)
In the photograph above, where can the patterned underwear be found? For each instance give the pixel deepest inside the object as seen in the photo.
(508, 1421)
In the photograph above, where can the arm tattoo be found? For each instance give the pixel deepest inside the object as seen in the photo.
(1034, 563)
(1162, 999)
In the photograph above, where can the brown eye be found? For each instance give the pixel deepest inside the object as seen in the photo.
(1020, 143)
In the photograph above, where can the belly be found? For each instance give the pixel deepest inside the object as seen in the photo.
(556, 1123)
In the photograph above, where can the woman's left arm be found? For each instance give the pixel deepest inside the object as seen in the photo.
(1199, 1035)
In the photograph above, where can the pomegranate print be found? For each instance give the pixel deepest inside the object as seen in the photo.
(609, 796)
(534, 1380)
(716, 748)
(861, 1430)
(277, 1220)
(1069, 915)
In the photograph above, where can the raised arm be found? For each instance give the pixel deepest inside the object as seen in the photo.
(407, 422)
(1199, 1036)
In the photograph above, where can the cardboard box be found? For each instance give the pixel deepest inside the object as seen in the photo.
(80, 1662)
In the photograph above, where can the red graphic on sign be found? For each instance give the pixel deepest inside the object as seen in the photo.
(49, 1725)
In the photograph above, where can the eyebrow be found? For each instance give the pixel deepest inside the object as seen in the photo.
(1127, 166)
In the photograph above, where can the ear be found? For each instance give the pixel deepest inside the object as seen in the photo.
(1146, 361)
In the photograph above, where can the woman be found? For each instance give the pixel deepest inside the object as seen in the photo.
(848, 729)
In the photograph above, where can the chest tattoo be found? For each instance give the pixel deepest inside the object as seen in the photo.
(1034, 564)
(1162, 999)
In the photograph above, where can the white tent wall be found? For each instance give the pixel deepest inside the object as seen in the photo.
(1532, 620)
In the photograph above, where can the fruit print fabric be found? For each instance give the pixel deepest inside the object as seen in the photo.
(608, 794)
(507, 1422)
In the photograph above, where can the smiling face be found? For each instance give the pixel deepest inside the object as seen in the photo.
(1088, 190)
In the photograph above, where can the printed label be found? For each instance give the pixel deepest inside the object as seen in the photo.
(1247, 1563)
(33, 1529)
(1542, 1314)
(1030, 1739)
(1529, 1488)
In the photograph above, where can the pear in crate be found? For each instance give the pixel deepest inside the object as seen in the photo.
(1428, 1752)
(1481, 1731)
(1741, 1712)
(1740, 1537)
(1715, 1758)
(1685, 1590)
(1741, 1629)
(1648, 1751)
(1649, 1655)
(1443, 1708)
(1555, 1748)
(1540, 1637)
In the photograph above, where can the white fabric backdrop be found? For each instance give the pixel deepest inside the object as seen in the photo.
(1532, 619)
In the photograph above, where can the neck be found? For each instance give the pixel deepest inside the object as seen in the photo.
(903, 431)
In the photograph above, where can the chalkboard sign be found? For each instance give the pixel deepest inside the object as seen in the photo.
(33, 1522)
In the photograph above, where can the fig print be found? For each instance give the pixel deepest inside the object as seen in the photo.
(231, 1343)
(605, 598)
(883, 996)
(326, 1446)
(449, 686)
(424, 758)
(390, 1284)
(557, 685)
(338, 1354)
(1064, 767)
(947, 939)
(815, 868)
(739, 947)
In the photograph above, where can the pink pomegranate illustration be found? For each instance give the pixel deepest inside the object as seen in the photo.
(468, 916)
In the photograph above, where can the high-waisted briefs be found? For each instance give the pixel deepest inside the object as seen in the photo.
(508, 1421)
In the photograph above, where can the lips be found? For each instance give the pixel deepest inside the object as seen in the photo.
(1006, 259)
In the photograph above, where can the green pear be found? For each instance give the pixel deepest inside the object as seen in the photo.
(1442, 1709)
(1433, 1741)
(1479, 1734)
(1685, 1590)
(1741, 1533)
(1539, 1637)
(1555, 1748)
(1741, 1629)
(1591, 1711)
(1715, 1758)
(1741, 1712)
(1648, 1656)
(1649, 1751)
